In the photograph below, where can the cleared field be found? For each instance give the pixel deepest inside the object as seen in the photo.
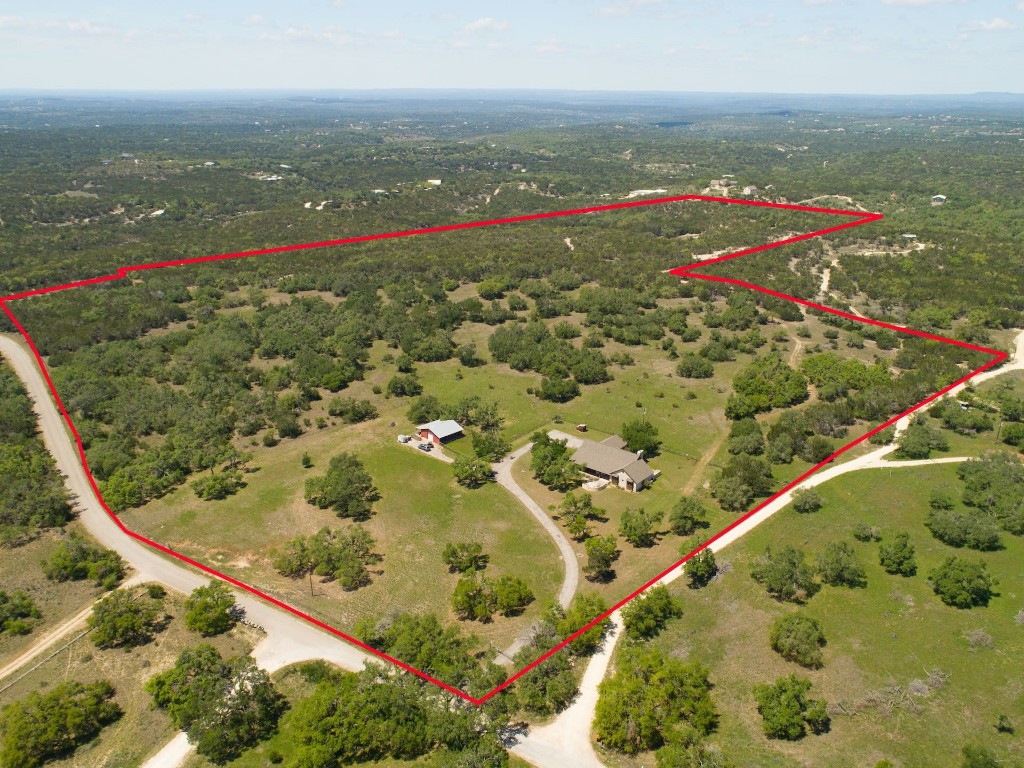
(892, 632)
(420, 510)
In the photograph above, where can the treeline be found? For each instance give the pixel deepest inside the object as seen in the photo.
(32, 492)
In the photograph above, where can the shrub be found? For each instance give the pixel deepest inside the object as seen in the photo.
(352, 411)
(958, 530)
(865, 532)
(218, 485)
(962, 583)
(701, 568)
(346, 488)
(786, 710)
(650, 696)
(687, 516)
(16, 611)
(601, 553)
(45, 727)
(404, 385)
(806, 500)
(799, 639)
(897, 556)
(464, 557)
(119, 620)
(693, 366)
(208, 609)
(785, 574)
(77, 559)
(839, 566)
(646, 615)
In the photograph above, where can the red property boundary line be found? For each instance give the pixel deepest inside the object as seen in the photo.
(854, 219)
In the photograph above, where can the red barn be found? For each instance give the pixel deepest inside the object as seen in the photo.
(440, 431)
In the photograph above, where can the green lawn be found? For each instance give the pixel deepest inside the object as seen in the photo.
(892, 632)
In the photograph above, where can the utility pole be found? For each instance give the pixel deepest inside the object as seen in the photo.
(311, 584)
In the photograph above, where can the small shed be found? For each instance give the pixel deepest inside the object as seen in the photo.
(938, 199)
(440, 431)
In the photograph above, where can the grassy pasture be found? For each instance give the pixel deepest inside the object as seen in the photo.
(421, 509)
(891, 632)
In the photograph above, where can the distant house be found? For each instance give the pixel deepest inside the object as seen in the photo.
(749, 190)
(608, 460)
(440, 431)
(938, 199)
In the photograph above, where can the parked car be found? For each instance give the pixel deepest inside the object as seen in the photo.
(426, 447)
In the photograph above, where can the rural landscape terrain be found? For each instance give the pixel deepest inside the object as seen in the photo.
(317, 506)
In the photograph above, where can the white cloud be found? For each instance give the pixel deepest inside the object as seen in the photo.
(998, 24)
(761, 22)
(819, 37)
(486, 24)
(626, 7)
(921, 3)
(62, 28)
(1020, 6)
(329, 35)
(550, 46)
(193, 18)
(254, 21)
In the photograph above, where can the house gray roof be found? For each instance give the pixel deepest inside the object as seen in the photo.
(614, 441)
(608, 459)
(442, 428)
(639, 471)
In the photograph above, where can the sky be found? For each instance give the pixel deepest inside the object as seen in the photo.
(781, 46)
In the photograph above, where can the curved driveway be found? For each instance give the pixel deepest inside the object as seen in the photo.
(503, 475)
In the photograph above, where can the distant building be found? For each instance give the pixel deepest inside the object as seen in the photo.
(938, 199)
(608, 460)
(440, 431)
(749, 190)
